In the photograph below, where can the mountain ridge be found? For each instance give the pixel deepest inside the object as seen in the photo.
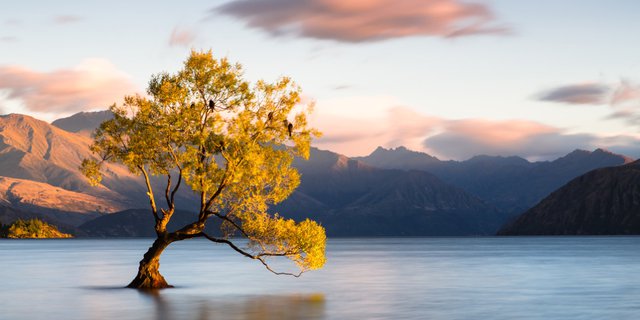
(512, 183)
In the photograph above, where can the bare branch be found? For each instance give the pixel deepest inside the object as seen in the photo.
(173, 193)
(254, 257)
(152, 200)
(166, 191)
(177, 163)
(231, 244)
(266, 265)
(223, 183)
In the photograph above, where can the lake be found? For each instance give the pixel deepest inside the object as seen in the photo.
(377, 278)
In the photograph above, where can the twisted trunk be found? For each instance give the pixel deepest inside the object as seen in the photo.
(149, 276)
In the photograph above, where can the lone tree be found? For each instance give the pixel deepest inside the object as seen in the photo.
(232, 144)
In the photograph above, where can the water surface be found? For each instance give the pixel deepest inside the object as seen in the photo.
(383, 278)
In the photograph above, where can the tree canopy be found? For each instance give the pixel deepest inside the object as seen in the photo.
(231, 142)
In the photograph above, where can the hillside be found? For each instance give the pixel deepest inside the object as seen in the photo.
(601, 202)
(56, 203)
(34, 150)
(46, 160)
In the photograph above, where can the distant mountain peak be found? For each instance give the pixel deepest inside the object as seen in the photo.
(400, 150)
(598, 153)
(610, 153)
(83, 122)
(399, 158)
(579, 152)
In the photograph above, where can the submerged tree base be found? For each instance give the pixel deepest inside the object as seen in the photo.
(147, 281)
(149, 276)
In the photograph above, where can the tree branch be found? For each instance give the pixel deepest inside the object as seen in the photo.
(218, 191)
(226, 218)
(177, 163)
(166, 191)
(152, 200)
(173, 193)
(254, 257)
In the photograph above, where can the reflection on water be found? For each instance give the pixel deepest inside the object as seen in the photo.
(276, 307)
(412, 278)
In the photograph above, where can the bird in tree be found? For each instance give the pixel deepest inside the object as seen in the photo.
(288, 126)
(229, 156)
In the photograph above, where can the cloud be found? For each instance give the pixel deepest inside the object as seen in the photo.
(588, 93)
(406, 127)
(356, 126)
(8, 39)
(593, 93)
(342, 87)
(625, 102)
(626, 92)
(66, 19)
(346, 128)
(94, 83)
(181, 37)
(463, 139)
(13, 22)
(364, 20)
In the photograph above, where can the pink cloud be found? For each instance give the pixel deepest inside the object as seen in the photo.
(346, 135)
(356, 126)
(463, 139)
(626, 92)
(181, 37)
(406, 127)
(498, 132)
(365, 20)
(92, 84)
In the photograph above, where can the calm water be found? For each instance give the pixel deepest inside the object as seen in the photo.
(415, 278)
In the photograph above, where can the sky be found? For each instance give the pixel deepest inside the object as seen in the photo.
(451, 78)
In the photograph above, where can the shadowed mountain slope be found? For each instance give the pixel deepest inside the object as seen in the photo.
(602, 202)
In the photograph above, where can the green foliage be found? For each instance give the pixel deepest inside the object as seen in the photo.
(231, 142)
(32, 228)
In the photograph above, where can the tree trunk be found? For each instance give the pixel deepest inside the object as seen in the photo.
(149, 276)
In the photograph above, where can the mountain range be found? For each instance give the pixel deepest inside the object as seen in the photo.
(512, 184)
(391, 192)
